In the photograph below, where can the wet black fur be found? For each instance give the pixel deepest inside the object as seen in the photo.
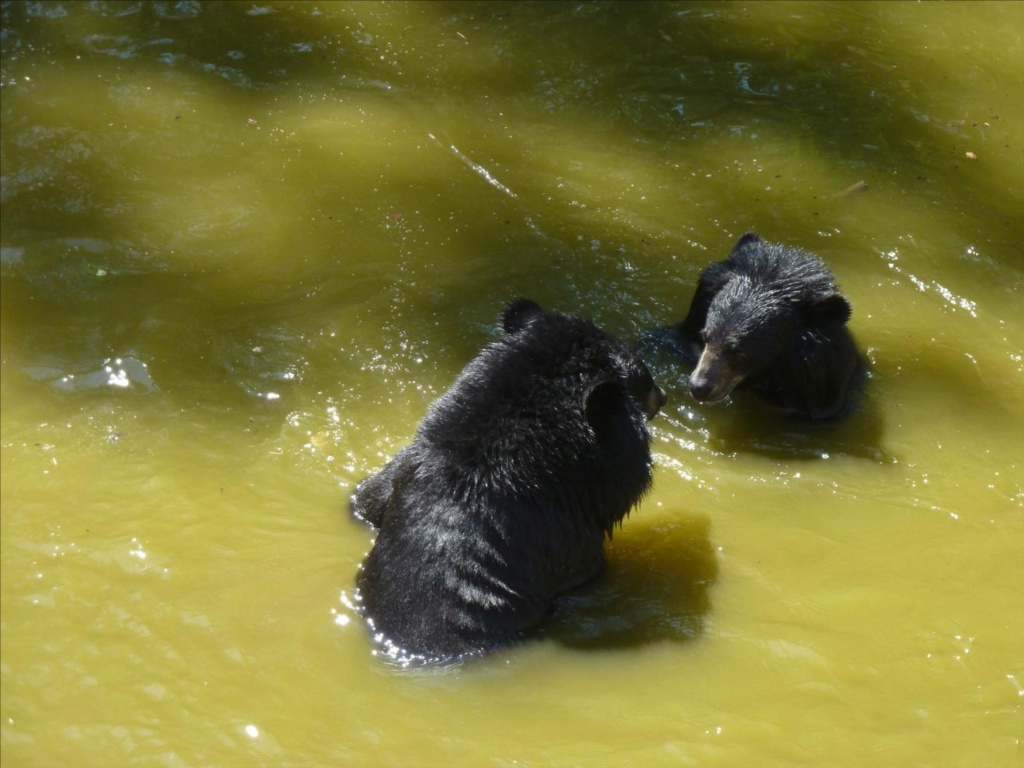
(777, 315)
(505, 495)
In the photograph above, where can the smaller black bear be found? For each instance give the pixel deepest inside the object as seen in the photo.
(771, 316)
(504, 496)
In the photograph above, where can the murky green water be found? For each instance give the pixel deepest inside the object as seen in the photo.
(245, 244)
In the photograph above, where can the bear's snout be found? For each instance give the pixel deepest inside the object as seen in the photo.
(654, 402)
(714, 377)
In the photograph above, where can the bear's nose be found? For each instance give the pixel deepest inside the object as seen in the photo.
(701, 390)
(654, 401)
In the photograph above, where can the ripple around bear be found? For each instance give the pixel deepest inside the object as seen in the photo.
(772, 317)
(504, 496)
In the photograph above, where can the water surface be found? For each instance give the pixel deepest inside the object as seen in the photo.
(244, 245)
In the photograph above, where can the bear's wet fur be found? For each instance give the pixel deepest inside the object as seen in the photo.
(771, 317)
(508, 489)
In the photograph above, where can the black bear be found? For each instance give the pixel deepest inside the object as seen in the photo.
(505, 494)
(771, 316)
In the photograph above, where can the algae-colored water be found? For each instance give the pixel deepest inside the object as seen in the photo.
(244, 245)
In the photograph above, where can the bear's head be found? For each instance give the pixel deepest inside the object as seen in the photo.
(611, 368)
(764, 300)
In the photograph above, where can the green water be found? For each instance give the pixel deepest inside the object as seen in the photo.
(244, 245)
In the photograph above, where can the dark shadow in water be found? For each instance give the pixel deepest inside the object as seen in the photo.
(745, 423)
(655, 587)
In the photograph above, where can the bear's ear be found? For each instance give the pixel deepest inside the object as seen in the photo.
(828, 309)
(600, 397)
(747, 239)
(520, 313)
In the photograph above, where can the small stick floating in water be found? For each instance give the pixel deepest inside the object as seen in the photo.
(853, 189)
